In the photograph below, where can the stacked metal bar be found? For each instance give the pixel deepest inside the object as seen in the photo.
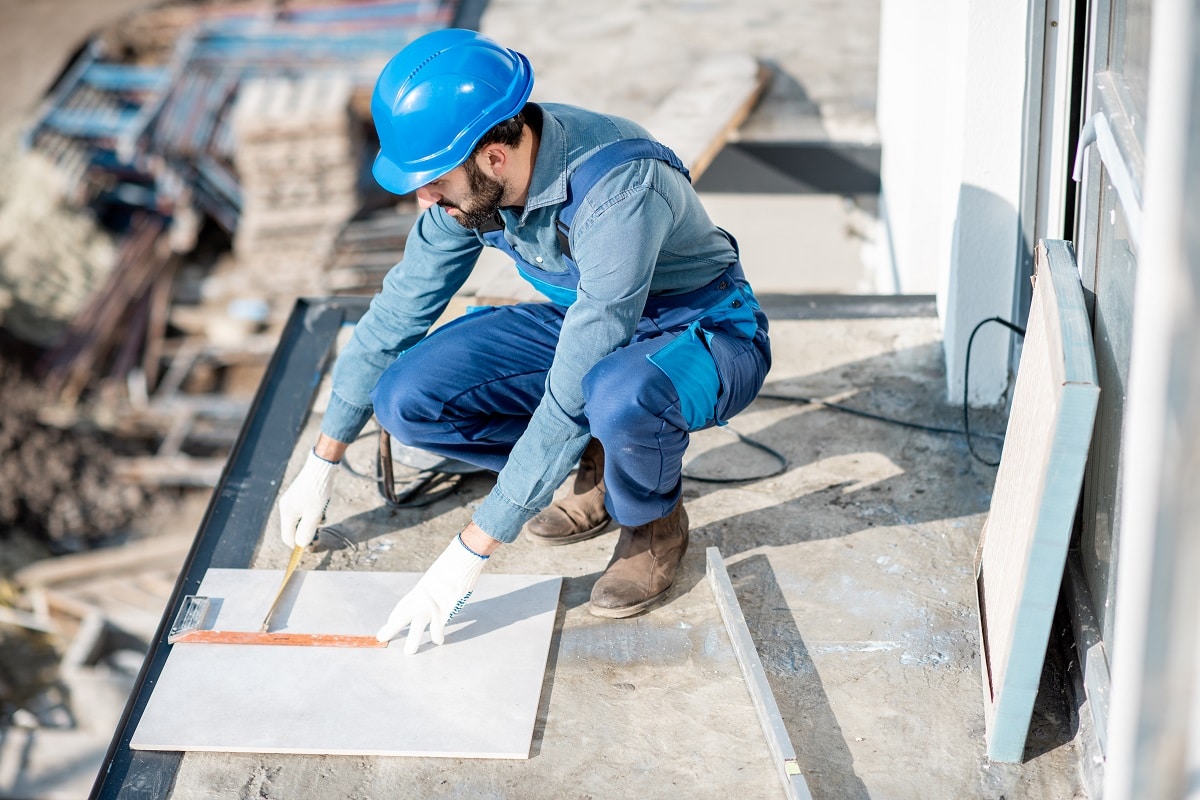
(94, 106)
(173, 122)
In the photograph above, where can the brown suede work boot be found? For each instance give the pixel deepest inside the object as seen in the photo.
(581, 514)
(643, 566)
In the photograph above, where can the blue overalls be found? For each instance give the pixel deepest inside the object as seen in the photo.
(468, 390)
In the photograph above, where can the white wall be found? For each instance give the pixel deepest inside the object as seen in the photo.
(951, 121)
(912, 115)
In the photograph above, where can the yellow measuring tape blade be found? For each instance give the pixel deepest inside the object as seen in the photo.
(287, 575)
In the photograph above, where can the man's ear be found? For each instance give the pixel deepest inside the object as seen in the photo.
(493, 161)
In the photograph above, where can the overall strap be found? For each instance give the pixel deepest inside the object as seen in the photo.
(598, 165)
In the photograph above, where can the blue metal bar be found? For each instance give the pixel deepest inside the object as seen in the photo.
(128, 145)
(303, 46)
(352, 16)
(125, 78)
(221, 180)
(375, 13)
(90, 124)
(62, 91)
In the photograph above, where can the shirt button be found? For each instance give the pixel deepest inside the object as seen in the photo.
(737, 303)
(538, 259)
(723, 285)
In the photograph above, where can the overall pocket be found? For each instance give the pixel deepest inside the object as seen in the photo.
(688, 364)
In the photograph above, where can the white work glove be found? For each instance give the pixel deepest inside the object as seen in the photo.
(302, 506)
(438, 596)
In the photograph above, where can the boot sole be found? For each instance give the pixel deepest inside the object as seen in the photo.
(629, 611)
(555, 541)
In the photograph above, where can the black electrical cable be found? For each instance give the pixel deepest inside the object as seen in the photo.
(967, 381)
(425, 487)
(966, 428)
(871, 415)
(778, 456)
(427, 479)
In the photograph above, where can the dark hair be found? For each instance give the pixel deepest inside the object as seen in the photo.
(509, 133)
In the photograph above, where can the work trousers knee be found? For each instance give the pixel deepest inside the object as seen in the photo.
(469, 389)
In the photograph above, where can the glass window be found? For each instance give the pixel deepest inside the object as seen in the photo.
(1129, 49)
(1113, 282)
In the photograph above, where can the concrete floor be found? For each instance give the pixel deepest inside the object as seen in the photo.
(854, 571)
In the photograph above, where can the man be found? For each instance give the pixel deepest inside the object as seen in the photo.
(651, 332)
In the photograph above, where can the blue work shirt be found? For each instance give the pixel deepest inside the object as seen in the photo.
(641, 230)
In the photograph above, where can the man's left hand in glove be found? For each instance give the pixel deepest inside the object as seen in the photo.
(442, 590)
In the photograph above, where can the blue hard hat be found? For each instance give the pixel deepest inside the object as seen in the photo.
(436, 99)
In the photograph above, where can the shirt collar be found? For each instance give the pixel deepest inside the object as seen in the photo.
(548, 184)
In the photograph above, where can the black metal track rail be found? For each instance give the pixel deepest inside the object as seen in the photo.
(232, 526)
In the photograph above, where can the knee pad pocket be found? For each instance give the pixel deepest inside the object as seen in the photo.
(688, 363)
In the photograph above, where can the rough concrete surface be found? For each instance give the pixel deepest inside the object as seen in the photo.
(853, 568)
(625, 57)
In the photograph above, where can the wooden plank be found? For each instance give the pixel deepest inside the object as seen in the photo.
(176, 470)
(24, 619)
(778, 741)
(156, 329)
(118, 590)
(158, 582)
(61, 601)
(136, 555)
(697, 118)
(1023, 547)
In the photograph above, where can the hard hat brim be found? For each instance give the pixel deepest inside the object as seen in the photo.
(397, 180)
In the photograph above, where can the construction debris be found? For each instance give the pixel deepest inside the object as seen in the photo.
(193, 170)
(248, 124)
(55, 484)
(104, 338)
(52, 258)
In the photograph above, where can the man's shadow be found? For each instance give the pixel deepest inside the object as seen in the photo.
(800, 510)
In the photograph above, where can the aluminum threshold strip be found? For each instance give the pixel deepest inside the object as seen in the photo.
(234, 521)
(779, 306)
(778, 741)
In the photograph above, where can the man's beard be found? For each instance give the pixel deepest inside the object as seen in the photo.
(484, 201)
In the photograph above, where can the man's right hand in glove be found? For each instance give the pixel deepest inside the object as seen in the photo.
(302, 506)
